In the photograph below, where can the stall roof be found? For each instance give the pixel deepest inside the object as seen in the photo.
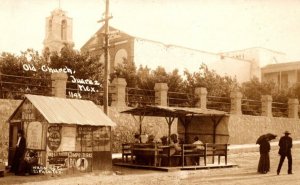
(163, 111)
(70, 111)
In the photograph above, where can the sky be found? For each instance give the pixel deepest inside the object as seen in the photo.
(207, 25)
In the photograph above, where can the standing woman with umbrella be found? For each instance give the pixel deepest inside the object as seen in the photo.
(264, 149)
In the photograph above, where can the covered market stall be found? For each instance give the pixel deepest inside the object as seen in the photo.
(206, 124)
(69, 133)
(188, 118)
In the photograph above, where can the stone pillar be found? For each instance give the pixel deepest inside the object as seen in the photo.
(201, 96)
(118, 90)
(236, 102)
(59, 83)
(161, 94)
(293, 108)
(266, 103)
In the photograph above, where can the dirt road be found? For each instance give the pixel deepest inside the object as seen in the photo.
(244, 174)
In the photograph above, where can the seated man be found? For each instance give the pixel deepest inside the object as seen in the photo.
(151, 139)
(198, 143)
(199, 149)
(175, 150)
(32, 161)
(26, 166)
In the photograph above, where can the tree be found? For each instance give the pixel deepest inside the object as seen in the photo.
(87, 73)
(126, 70)
(254, 89)
(84, 65)
(21, 74)
(215, 84)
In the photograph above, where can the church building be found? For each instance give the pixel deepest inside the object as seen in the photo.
(242, 65)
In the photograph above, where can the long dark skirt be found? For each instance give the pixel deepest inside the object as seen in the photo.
(264, 163)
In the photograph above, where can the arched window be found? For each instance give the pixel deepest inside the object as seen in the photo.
(64, 30)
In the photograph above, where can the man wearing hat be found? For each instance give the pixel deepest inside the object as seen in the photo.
(19, 152)
(285, 145)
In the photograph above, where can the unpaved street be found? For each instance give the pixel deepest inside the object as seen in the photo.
(245, 174)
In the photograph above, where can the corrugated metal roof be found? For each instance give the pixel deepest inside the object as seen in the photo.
(173, 111)
(70, 111)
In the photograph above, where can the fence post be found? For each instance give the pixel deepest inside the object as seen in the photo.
(236, 102)
(161, 94)
(118, 90)
(293, 108)
(201, 96)
(59, 84)
(266, 103)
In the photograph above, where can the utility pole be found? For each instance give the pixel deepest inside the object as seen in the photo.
(106, 47)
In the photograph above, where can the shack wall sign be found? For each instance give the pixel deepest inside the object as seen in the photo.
(54, 137)
(34, 135)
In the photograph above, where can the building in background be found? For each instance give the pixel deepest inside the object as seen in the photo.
(285, 75)
(259, 57)
(242, 64)
(58, 31)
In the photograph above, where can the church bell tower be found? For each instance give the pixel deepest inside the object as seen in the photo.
(58, 31)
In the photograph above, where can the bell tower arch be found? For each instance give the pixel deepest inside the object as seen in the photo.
(58, 31)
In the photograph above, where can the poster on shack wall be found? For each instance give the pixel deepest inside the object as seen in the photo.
(101, 139)
(68, 138)
(53, 137)
(94, 139)
(34, 135)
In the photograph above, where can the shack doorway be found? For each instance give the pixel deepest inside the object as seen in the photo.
(13, 137)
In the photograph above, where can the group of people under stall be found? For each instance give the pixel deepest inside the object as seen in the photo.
(174, 148)
(285, 145)
(23, 161)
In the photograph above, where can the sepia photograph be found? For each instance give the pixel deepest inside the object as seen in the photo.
(150, 92)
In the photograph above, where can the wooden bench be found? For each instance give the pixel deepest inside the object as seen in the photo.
(216, 150)
(153, 154)
(197, 152)
(193, 151)
(126, 151)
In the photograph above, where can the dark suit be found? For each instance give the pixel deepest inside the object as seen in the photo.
(19, 155)
(285, 145)
(264, 160)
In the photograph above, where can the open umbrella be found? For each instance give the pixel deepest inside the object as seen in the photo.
(267, 136)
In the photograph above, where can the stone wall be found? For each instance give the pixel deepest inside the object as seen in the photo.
(245, 129)
(7, 107)
(239, 129)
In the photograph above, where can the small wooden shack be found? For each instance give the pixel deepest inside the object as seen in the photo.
(69, 133)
